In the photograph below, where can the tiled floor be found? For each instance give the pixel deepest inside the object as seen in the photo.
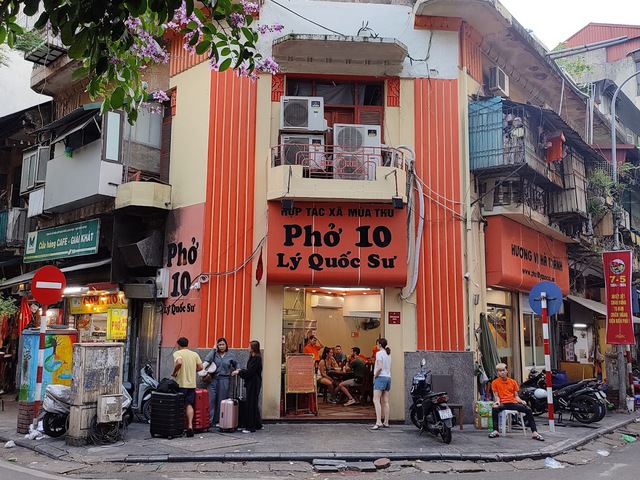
(334, 412)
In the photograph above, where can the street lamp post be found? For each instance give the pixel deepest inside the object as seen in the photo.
(622, 378)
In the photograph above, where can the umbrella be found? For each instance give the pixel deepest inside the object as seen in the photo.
(488, 349)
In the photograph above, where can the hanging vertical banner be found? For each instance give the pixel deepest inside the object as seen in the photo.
(617, 273)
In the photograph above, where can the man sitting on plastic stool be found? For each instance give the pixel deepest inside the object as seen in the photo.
(505, 393)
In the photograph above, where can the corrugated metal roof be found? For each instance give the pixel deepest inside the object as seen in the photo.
(596, 32)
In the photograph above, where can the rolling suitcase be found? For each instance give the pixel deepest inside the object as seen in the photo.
(167, 414)
(228, 414)
(201, 419)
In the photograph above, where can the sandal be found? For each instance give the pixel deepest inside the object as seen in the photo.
(538, 437)
(376, 427)
(494, 434)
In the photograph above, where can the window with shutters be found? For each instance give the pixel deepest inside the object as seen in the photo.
(351, 102)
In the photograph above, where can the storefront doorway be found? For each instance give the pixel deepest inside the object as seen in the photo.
(340, 318)
(500, 310)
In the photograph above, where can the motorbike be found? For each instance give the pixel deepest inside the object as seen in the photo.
(584, 400)
(429, 411)
(147, 384)
(56, 407)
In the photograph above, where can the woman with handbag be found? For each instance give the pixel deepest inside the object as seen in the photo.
(218, 388)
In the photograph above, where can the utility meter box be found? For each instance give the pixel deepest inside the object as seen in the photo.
(110, 408)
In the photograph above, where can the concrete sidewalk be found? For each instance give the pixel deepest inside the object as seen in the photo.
(309, 441)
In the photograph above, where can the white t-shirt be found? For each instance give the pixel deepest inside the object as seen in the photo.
(385, 361)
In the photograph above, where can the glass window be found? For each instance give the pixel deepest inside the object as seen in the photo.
(533, 340)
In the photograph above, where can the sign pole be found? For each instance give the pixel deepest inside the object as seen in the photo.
(547, 359)
(41, 347)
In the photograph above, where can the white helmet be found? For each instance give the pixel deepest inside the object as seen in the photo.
(540, 393)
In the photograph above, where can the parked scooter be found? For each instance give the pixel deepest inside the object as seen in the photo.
(584, 400)
(147, 384)
(429, 410)
(56, 407)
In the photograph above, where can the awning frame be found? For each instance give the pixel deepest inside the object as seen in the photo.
(597, 307)
(26, 277)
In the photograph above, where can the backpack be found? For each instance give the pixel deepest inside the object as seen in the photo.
(168, 385)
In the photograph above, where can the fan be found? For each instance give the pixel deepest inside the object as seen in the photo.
(370, 324)
(349, 167)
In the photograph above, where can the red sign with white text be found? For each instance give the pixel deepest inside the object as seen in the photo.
(337, 244)
(617, 274)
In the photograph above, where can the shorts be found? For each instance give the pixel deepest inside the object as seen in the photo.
(189, 395)
(382, 383)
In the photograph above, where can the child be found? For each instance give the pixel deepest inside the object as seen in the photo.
(505, 393)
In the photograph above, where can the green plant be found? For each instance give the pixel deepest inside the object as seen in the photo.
(27, 41)
(8, 306)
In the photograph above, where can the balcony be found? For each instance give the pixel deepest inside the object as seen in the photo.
(13, 223)
(48, 51)
(328, 173)
(89, 154)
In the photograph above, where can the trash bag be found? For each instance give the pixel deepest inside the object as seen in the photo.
(168, 385)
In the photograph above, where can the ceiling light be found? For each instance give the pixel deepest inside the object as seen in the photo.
(579, 325)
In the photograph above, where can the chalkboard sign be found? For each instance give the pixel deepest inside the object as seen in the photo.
(300, 374)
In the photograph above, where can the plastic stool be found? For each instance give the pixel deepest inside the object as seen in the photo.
(506, 416)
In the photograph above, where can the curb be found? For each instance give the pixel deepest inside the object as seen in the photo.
(59, 454)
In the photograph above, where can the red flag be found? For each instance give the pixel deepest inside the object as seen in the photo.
(25, 314)
(259, 268)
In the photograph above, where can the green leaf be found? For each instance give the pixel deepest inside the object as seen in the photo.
(102, 65)
(200, 15)
(79, 45)
(225, 65)
(41, 22)
(117, 98)
(194, 39)
(192, 25)
(31, 7)
(3, 34)
(79, 72)
(15, 28)
(203, 47)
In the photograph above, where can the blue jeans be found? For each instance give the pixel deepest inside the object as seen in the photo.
(218, 390)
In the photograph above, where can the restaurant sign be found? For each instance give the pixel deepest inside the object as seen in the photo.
(72, 240)
(343, 244)
(617, 285)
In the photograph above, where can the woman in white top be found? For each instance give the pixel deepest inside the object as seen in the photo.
(382, 383)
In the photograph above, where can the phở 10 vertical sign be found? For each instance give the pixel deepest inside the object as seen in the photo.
(617, 273)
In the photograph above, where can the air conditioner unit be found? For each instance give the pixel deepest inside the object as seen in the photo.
(302, 113)
(498, 81)
(357, 151)
(34, 168)
(325, 301)
(300, 149)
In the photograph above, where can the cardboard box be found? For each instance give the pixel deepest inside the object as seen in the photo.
(482, 416)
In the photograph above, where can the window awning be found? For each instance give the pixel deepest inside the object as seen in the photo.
(74, 127)
(78, 115)
(336, 54)
(25, 278)
(597, 307)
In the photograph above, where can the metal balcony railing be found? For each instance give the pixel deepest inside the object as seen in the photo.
(338, 162)
(12, 226)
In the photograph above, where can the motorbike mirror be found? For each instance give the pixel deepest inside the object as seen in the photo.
(423, 362)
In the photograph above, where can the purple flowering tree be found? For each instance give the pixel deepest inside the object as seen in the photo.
(116, 40)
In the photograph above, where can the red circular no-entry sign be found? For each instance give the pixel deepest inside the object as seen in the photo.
(48, 284)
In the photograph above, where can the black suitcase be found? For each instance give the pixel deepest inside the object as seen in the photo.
(167, 414)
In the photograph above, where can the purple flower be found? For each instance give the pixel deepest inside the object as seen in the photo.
(160, 96)
(267, 65)
(277, 27)
(236, 19)
(249, 8)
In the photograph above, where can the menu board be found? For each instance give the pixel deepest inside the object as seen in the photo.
(300, 374)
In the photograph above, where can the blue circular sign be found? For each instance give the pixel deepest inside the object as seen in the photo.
(553, 294)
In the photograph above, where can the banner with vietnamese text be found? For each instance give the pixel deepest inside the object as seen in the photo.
(617, 273)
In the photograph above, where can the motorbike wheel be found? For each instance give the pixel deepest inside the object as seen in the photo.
(589, 409)
(446, 434)
(54, 424)
(146, 410)
(415, 418)
(128, 417)
(603, 411)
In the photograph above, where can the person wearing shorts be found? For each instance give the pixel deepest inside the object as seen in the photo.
(186, 364)
(358, 368)
(382, 383)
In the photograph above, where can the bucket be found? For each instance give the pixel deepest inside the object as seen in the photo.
(631, 404)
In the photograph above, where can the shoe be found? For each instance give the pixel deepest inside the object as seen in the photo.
(376, 427)
(217, 425)
(190, 432)
(332, 400)
(350, 402)
(385, 425)
(248, 431)
(538, 437)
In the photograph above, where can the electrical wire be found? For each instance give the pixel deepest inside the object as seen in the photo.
(308, 20)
